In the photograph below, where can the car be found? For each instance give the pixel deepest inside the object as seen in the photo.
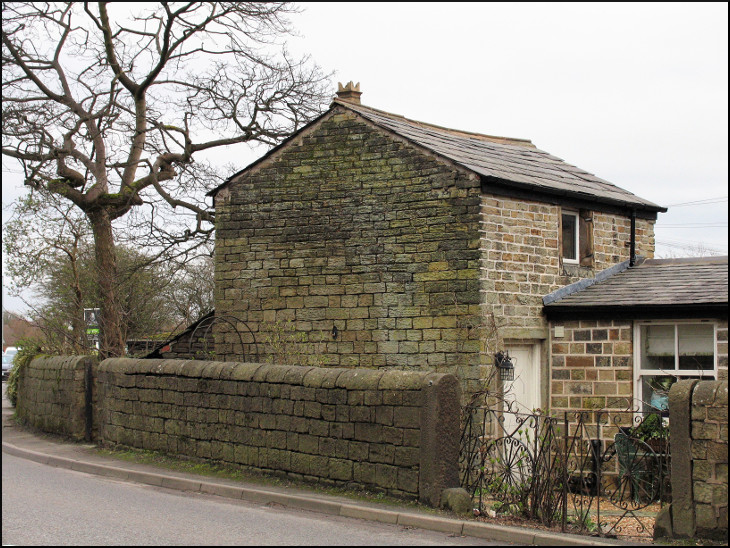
(8, 357)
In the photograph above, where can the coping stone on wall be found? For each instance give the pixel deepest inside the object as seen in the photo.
(243, 371)
(321, 377)
(394, 379)
(359, 379)
(438, 402)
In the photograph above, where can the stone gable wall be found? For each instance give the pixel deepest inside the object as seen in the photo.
(350, 247)
(390, 431)
(351, 229)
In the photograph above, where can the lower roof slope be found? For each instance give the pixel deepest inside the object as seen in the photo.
(668, 284)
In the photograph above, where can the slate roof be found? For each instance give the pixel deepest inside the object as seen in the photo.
(653, 284)
(515, 163)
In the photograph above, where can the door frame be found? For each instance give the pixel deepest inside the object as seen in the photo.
(535, 353)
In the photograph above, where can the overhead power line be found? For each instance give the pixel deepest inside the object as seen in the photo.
(695, 225)
(691, 246)
(706, 201)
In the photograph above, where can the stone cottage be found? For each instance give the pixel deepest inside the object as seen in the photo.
(370, 240)
(621, 339)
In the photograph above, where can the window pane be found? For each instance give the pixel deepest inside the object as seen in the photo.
(696, 346)
(569, 237)
(657, 347)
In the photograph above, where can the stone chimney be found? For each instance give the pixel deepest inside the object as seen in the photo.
(350, 92)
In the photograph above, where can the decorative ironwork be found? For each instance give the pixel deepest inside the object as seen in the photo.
(589, 471)
(205, 326)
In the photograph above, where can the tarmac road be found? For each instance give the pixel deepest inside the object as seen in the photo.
(55, 506)
(130, 493)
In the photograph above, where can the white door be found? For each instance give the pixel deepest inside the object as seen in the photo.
(522, 395)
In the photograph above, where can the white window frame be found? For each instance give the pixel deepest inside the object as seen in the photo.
(576, 229)
(640, 373)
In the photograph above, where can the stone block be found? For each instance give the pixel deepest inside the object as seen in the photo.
(457, 500)
(663, 524)
(340, 469)
(365, 473)
(368, 432)
(406, 417)
(704, 430)
(706, 517)
(386, 476)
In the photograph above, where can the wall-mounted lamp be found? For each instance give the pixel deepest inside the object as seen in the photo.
(505, 366)
(334, 332)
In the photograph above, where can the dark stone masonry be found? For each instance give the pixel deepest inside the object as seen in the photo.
(391, 431)
(354, 249)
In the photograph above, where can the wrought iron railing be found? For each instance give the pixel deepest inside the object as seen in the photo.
(586, 471)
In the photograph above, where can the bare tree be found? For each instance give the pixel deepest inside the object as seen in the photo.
(39, 234)
(111, 110)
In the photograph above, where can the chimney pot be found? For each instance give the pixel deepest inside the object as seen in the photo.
(349, 92)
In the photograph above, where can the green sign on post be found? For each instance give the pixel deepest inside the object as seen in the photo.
(91, 318)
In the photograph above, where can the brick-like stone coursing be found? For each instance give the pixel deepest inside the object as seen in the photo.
(709, 451)
(52, 395)
(392, 431)
(521, 255)
(592, 365)
(351, 228)
(698, 421)
(402, 253)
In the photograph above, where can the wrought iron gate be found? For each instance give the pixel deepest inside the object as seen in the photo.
(587, 471)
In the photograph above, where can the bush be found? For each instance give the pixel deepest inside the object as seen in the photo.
(27, 350)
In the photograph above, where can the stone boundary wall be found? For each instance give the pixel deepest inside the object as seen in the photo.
(390, 431)
(55, 395)
(698, 422)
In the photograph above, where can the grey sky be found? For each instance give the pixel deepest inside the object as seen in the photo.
(634, 93)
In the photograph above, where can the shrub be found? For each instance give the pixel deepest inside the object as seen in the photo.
(27, 350)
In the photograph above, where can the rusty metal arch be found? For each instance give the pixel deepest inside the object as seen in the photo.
(232, 321)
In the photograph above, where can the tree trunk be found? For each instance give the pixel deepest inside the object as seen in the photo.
(110, 325)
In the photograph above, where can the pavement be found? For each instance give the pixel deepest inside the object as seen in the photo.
(84, 457)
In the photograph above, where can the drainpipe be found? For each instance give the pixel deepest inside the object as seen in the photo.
(632, 251)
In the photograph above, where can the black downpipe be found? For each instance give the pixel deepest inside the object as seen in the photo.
(632, 257)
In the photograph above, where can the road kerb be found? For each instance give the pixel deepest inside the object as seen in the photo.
(181, 484)
(371, 514)
(227, 491)
(498, 532)
(405, 519)
(431, 523)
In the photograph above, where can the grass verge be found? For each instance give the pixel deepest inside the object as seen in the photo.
(238, 474)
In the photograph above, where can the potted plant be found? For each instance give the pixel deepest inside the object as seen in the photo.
(653, 432)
